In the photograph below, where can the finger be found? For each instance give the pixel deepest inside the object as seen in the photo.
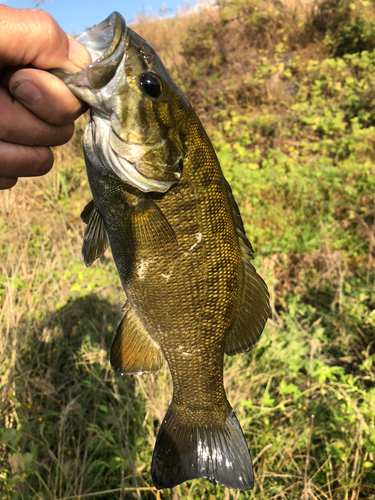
(7, 183)
(31, 36)
(21, 126)
(23, 161)
(46, 96)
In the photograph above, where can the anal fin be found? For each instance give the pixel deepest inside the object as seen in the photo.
(133, 350)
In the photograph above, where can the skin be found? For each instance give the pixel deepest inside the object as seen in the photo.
(37, 110)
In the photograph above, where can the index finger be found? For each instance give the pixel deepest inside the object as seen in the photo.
(32, 37)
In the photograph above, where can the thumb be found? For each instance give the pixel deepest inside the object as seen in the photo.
(32, 37)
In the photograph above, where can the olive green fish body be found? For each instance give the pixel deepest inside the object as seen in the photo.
(181, 277)
(180, 250)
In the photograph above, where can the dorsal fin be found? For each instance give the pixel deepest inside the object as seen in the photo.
(95, 239)
(245, 243)
(133, 350)
(253, 306)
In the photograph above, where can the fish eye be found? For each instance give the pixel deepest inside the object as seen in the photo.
(151, 84)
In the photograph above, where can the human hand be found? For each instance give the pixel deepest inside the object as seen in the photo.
(37, 110)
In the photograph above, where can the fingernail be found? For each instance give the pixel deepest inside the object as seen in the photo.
(27, 92)
(78, 54)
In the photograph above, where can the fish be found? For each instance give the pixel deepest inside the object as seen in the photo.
(160, 200)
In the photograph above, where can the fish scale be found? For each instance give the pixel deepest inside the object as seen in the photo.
(161, 201)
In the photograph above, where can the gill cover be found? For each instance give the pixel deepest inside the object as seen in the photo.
(132, 133)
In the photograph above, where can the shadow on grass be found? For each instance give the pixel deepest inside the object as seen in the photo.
(79, 425)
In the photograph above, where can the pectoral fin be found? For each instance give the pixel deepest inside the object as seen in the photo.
(148, 224)
(95, 239)
(133, 350)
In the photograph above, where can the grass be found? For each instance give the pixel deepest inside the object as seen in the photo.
(291, 116)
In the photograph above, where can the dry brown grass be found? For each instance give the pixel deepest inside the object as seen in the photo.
(300, 395)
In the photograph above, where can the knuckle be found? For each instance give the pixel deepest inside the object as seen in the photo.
(62, 117)
(44, 19)
(52, 135)
(66, 117)
(6, 115)
(7, 182)
(63, 134)
(49, 27)
(68, 132)
(42, 160)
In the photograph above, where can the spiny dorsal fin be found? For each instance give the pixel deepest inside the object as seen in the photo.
(253, 306)
(95, 239)
(133, 350)
(148, 224)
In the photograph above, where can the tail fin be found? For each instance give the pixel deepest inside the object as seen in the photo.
(216, 452)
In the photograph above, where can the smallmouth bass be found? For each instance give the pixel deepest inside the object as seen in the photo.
(161, 201)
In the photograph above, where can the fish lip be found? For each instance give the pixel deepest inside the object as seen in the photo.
(88, 35)
(107, 44)
(101, 56)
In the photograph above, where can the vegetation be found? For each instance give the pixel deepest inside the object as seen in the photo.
(287, 95)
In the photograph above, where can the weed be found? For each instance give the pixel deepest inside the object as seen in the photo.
(287, 99)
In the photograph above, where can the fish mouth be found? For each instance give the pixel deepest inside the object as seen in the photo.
(102, 86)
(106, 43)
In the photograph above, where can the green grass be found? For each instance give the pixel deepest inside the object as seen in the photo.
(299, 152)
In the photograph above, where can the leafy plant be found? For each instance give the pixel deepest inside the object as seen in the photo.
(293, 126)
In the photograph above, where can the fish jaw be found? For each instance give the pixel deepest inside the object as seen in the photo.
(106, 43)
(134, 138)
